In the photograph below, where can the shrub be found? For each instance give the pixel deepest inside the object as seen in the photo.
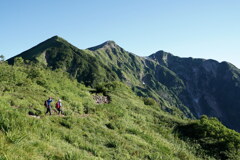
(148, 101)
(110, 126)
(111, 144)
(216, 139)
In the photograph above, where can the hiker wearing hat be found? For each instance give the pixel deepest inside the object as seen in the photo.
(48, 105)
(59, 106)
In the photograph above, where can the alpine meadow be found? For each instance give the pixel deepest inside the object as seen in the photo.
(117, 105)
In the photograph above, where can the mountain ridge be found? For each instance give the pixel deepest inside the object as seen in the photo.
(195, 86)
(127, 127)
(110, 44)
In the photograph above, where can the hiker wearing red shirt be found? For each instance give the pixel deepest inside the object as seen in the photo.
(59, 106)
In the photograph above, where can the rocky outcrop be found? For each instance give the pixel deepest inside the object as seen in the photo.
(99, 99)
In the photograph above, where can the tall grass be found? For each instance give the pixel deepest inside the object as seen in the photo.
(125, 128)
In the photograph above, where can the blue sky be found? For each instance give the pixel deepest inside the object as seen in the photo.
(187, 28)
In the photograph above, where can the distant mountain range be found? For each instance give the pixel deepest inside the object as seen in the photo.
(183, 86)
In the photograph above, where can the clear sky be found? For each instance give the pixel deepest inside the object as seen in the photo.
(186, 28)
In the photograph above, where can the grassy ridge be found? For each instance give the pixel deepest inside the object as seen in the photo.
(109, 62)
(186, 87)
(124, 129)
(129, 127)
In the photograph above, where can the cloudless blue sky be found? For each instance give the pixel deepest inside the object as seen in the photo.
(186, 28)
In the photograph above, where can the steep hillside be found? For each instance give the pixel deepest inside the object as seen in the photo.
(105, 63)
(211, 88)
(186, 87)
(125, 128)
(57, 53)
(146, 77)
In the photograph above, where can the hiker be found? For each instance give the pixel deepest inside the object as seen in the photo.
(59, 106)
(48, 105)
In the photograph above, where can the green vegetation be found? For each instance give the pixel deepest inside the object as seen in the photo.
(185, 87)
(207, 87)
(126, 128)
(148, 101)
(142, 113)
(216, 140)
(106, 63)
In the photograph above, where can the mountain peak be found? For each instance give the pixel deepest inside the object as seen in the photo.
(56, 38)
(40, 48)
(162, 53)
(109, 42)
(106, 45)
(161, 57)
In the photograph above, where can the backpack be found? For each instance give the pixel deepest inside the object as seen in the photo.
(58, 105)
(45, 103)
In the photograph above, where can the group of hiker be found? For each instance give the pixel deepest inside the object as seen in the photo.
(58, 106)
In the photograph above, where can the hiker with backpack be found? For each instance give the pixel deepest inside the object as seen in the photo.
(48, 105)
(59, 106)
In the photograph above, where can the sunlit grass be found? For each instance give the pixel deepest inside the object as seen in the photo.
(125, 128)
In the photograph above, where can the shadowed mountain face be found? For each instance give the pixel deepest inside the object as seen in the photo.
(194, 86)
(211, 88)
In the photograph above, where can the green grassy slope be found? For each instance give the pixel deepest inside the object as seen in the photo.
(185, 87)
(109, 62)
(122, 129)
(56, 53)
(125, 128)
(145, 76)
